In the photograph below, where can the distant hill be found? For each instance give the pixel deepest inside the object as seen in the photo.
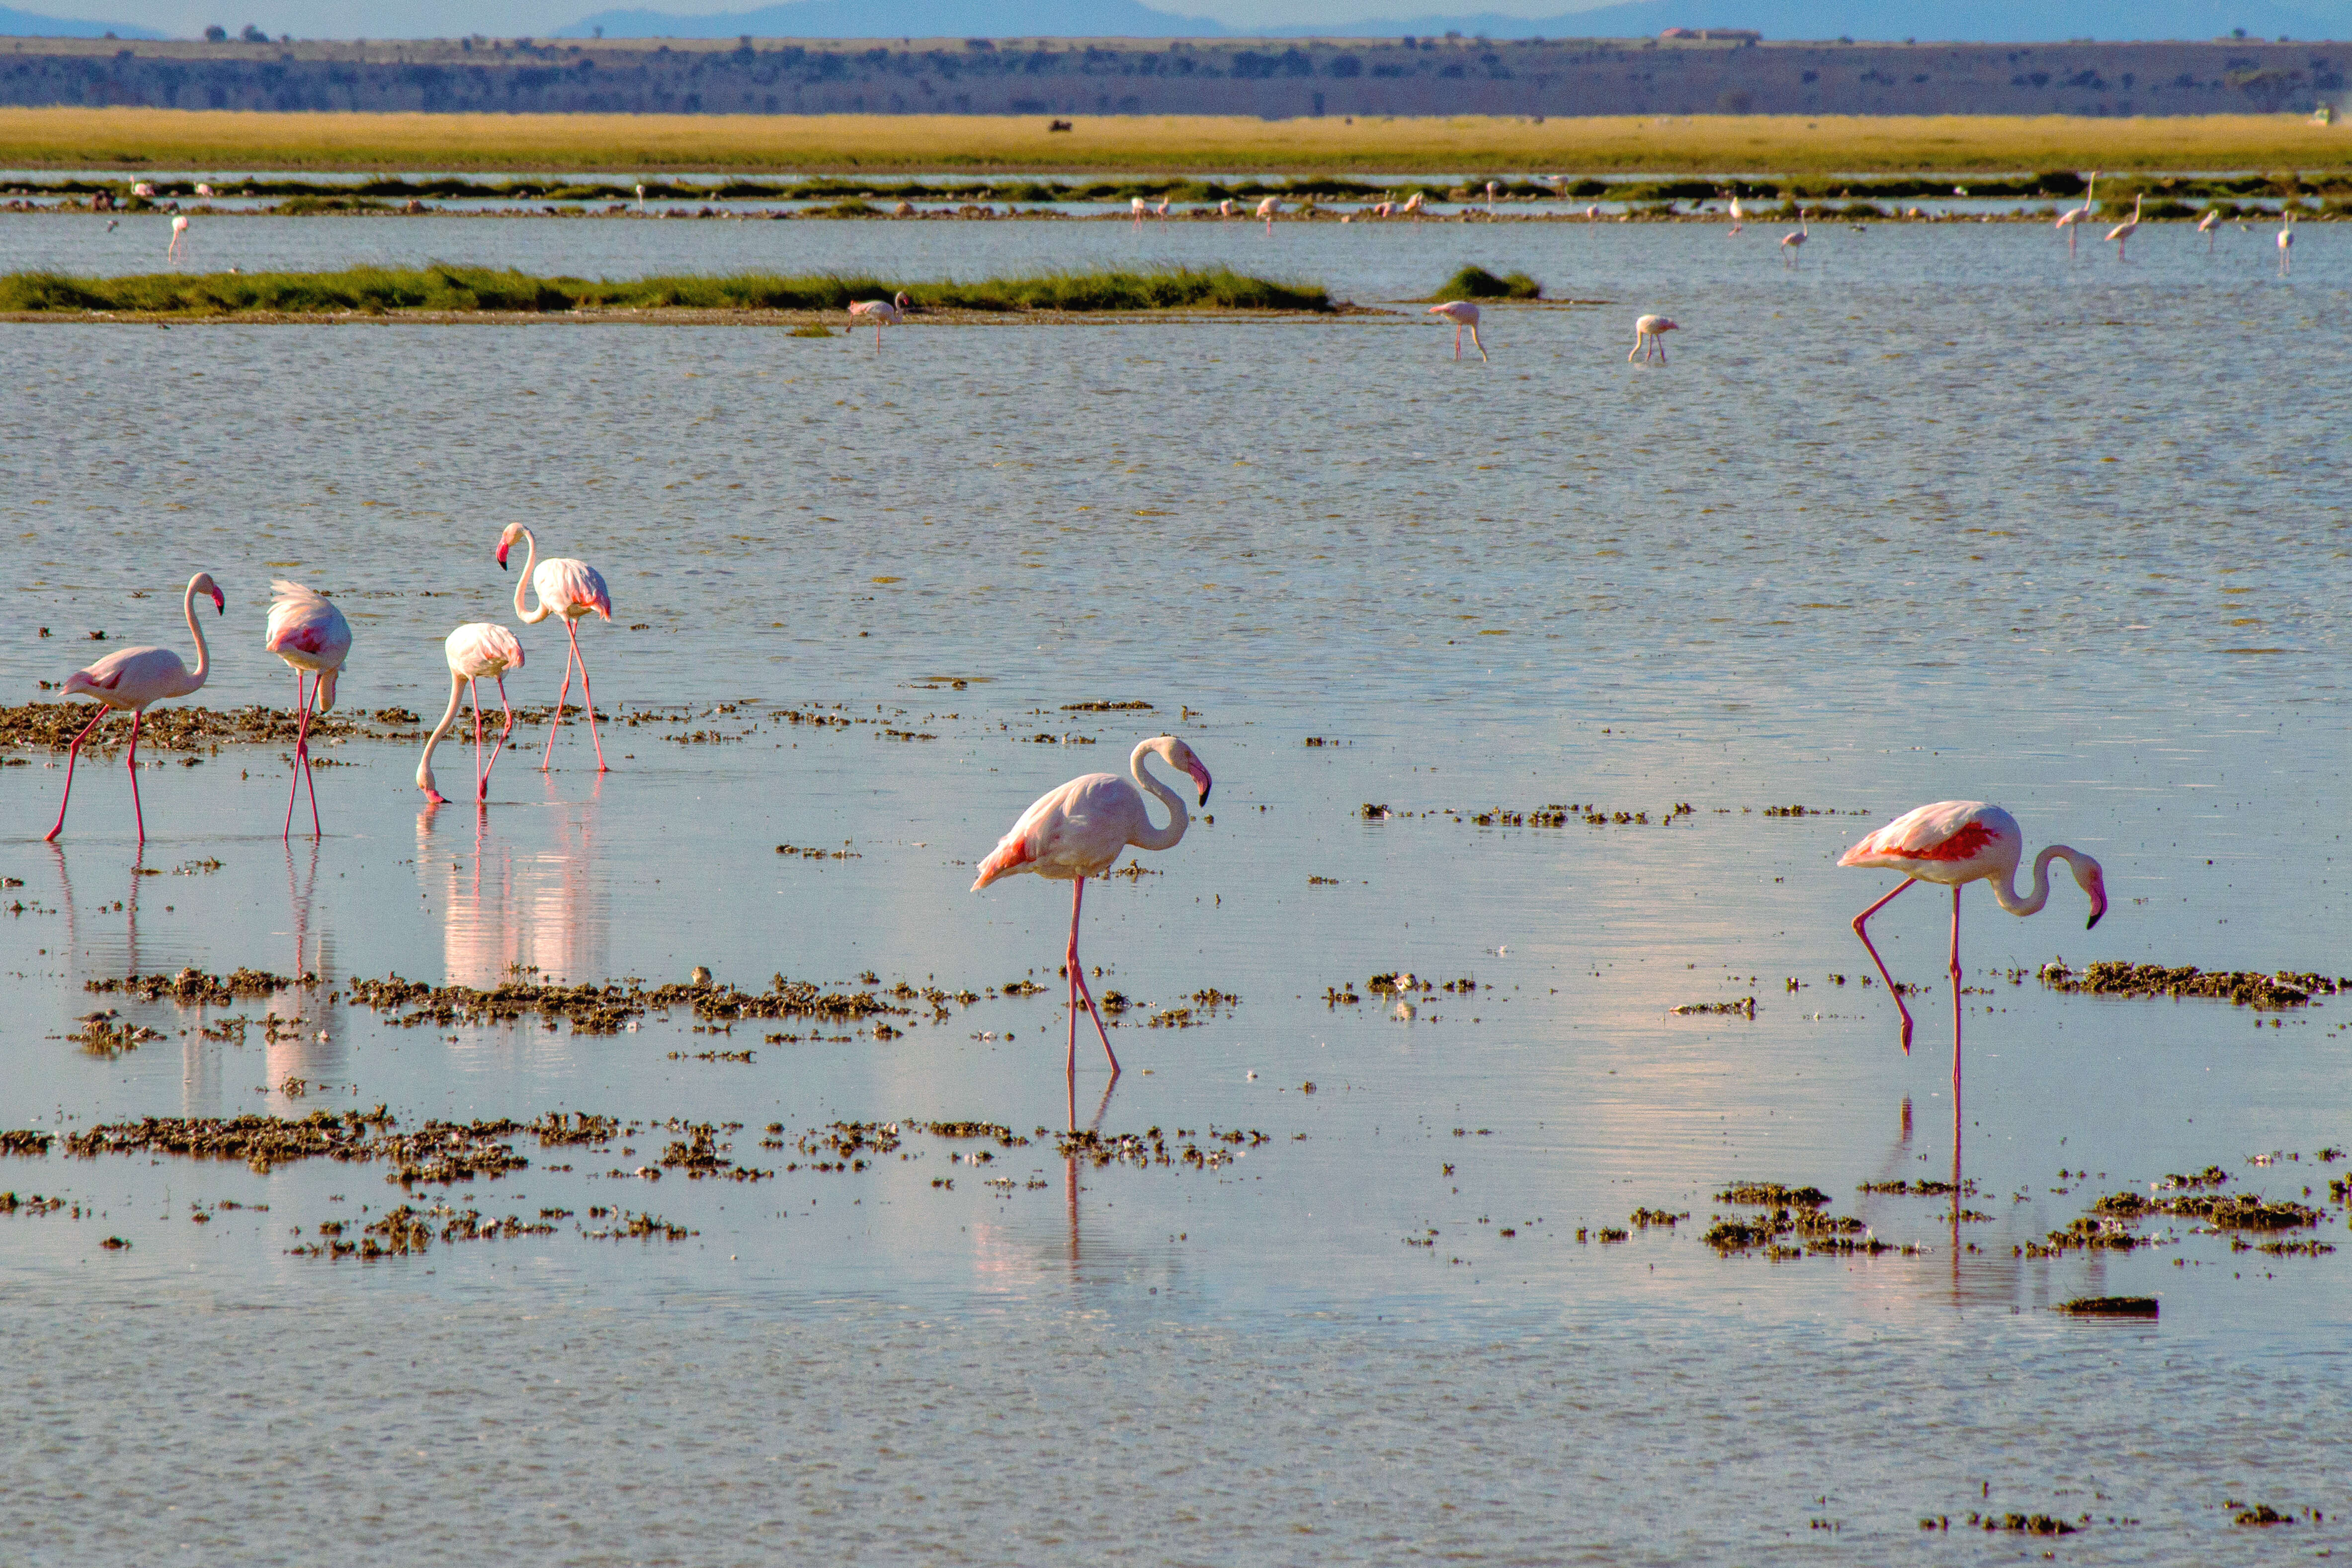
(25, 24)
(2017, 21)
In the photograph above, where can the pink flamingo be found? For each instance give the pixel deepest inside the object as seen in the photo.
(1139, 206)
(1648, 335)
(1791, 243)
(2121, 233)
(1491, 188)
(1078, 831)
(892, 310)
(309, 633)
(1413, 206)
(1160, 211)
(476, 649)
(179, 235)
(571, 588)
(2072, 220)
(132, 678)
(2206, 225)
(1592, 213)
(1266, 209)
(1954, 843)
(1462, 313)
(2285, 240)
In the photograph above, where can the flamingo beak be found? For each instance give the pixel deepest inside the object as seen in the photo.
(502, 555)
(1201, 777)
(220, 604)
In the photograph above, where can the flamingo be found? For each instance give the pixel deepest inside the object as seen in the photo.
(179, 234)
(641, 198)
(1139, 206)
(2206, 225)
(571, 588)
(1160, 211)
(1490, 198)
(1462, 313)
(1266, 209)
(1791, 243)
(1413, 205)
(1078, 831)
(2285, 240)
(1225, 208)
(2121, 233)
(1383, 209)
(1956, 842)
(476, 649)
(143, 188)
(1592, 213)
(132, 678)
(204, 191)
(892, 310)
(1648, 335)
(1739, 216)
(2072, 220)
(310, 635)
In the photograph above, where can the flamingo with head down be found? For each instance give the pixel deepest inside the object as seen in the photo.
(1954, 843)
(1649, 335)
(1464, 314)
(1079, 830)
(477, 651)
(179, 237)
(1266, 209)
(571, 588)
(128, 680)
(310, 635)
(1793, 242)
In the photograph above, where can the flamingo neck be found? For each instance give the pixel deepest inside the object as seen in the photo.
(195, 630)
(425, 763)
(530, 558)
(2004, 888)
(1178, 818)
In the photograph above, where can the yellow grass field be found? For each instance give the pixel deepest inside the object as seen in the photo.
(973, 144)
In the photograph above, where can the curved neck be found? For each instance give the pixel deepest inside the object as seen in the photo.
(195, 630)
(1178, 818)
(523, 584)
(2004, 889)
(425, 763)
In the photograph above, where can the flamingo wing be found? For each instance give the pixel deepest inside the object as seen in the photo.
(1945, 837)
(483, 649)
(1075, 831)
(573, 586)
(132, 677)
(306, 628)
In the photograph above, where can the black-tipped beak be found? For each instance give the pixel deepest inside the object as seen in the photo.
(1205, 797)
(2093, 920)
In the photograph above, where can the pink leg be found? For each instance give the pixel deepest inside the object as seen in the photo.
(587, 697)
(302, 755)
(1457, 342)
(131, 762)
(561, 691)
(301, 732)
(1079, 986)
(1892, 989)
(1956, 994)
(475, 687)
(483, 793)
(1480, 346)
(73, 755)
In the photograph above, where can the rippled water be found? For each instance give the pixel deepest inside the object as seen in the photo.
(1935, 515)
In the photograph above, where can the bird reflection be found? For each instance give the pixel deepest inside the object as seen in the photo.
(1070, 1187)
(299, 1042)
(509, 911)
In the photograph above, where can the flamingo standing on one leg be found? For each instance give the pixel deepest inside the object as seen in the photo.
(476, 649)
(2072, 220)
(1462, 313)
(1077, 831)
(1793, 242)
(309, 633)
(132, 678)
(1648, 335)
(179, 237)
(1266, 209)
(2206, 225)
(892, 310)
(1954, 843)
(571, 588)
(2285, 240)
(2121, 233)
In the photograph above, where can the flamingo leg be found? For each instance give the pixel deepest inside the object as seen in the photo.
(73, 754)
(301, 736)
(587, 697)
(1457, 342)
(475, 687)
(1480, 347)
(130, 761)
(1956, 994)
(1892, 989)
(1078, 987)
(302, 754)
(483, 793)
(561, 691)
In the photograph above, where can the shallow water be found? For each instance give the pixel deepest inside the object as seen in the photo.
(1933, 515)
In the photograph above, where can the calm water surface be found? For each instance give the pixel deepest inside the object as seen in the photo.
(1936, 515)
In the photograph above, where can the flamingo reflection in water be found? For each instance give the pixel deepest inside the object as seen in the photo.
(511, 907)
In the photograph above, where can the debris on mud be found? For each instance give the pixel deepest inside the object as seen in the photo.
(2111, 1306)
(51, 727)
(2263, 993)
(192, 987)
(605, 1008)
(1744, 1008)
(26, 1142)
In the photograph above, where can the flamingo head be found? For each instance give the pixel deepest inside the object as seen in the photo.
(2092, 880)
(903, 300)
(1178, 755)
(1665, 324)
(506, 542)
(202, 583)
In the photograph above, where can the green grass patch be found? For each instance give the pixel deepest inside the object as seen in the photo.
(1477, 283)
(442, 288)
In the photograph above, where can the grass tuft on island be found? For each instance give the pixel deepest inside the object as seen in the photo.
(1477, 283)
(446, 290)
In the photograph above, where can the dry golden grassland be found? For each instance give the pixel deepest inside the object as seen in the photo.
(180, 139)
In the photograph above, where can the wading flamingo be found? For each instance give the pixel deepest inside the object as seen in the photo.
(892, 310)
(1160, 211)
(1648, 334)
(2121, 233)
(1411, 205)
(1592, 213)
(1954, 843)
(1382, 209)
(2285, 240)
(1078, 831)
(1792, 242)
(1462, 313)
(179, 237)
(132, 678)
(641, 198)
(571, 588)
(1225, 208)
(2072, 220)
(1139, 206)
(477, 651)
(310, 635)
(1491, 188)
(204, 191)
(1739, 216)
(1266, 209)
(2208, 225)
(144, 189)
